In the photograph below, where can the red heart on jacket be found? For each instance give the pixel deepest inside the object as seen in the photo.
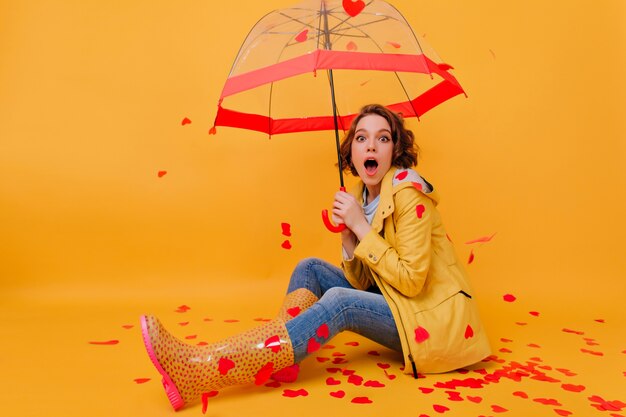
(469, 332)
(402, 175)
(420, 210)
(302, 36)
(353, 8)
(417, 185)
(421, 334)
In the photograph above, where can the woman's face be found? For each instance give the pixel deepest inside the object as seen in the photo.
(372, 149)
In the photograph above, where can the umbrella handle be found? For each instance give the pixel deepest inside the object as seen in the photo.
(329, 224)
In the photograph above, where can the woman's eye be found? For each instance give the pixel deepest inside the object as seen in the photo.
(384, 139)
(360, 138)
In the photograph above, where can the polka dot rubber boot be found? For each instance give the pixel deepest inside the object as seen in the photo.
(190, 370)
(295, 303)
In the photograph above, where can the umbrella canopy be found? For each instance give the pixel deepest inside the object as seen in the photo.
(336, 55)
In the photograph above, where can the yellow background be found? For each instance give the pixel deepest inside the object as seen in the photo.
(92, 95)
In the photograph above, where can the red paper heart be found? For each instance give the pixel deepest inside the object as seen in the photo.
(351, 343)
(339, 361)
(212, 131)
(128, 326)
(498, 409)
(383, 365)
(480, 239)
(205, 399)
(191, 336)
(338, 354)
(574, 331)
(502, 339)
(361, 400)
(534, 313)
(351, 46)
(264, 373)
(185, 121)
(592, 352)
(323, 331)
(338, 394)
(273, 343)
(104, 343)
(547, 401)
(471, 257)
(321, 359)
(293, 311)
(286, 244)
(224, 365)
(469, 332)
(312, 346)
(231, 321)
(402, 175)
(426, 390)
(391, 377)
(328, 347)
(476, 399)
(373, 353)
(454, 396)
(302, 36)
(353, 8)
(141, 380)
(183, 323)
(332, 381)
(182, 309)
(520, 394)
(420, 210)
(440, 408)
(160, 174)
(286, 229)
(355, 379)
(562, 412)
(533, 345)
(509, 298)
(394, 44)
(600, 320)
(295, 393)
(566, 372)
(421, 334)
(373, 384)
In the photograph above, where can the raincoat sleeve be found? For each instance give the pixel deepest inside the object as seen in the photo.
(357, 274)
(406, 265)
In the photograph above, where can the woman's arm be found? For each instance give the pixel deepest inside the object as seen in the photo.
(406, 265)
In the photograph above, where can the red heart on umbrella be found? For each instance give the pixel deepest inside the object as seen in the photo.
(302, 36)
(353, 8)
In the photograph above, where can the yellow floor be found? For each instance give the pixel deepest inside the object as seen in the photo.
(549, 359)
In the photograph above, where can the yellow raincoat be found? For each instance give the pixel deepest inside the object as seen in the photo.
(408, 255)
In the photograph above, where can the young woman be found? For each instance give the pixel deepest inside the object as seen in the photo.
(400, 283)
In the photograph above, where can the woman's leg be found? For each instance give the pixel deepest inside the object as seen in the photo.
(309, 281)
(362, 312)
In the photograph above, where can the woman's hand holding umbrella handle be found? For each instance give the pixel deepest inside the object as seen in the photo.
(329, 224)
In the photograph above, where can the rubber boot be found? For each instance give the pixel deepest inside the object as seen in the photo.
(296, 302)
(189, 370)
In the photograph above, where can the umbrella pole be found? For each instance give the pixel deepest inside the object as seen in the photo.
(332, 96)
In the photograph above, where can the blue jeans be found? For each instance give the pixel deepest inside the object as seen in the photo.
(340, 306)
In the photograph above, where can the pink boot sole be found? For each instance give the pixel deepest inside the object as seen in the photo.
(170, 388)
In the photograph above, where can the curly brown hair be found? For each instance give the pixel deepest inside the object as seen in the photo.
(405, 150)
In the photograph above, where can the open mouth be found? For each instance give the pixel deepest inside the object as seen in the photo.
(371, 166)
